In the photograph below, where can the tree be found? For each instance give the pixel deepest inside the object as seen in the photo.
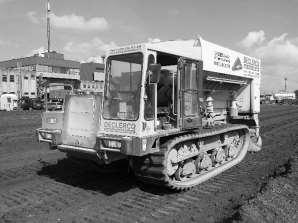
(296, 94)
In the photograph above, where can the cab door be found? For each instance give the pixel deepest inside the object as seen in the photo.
(190, 73)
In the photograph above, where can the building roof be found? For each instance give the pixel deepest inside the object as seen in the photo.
(94, 65)
(87, 70)
(50, 59)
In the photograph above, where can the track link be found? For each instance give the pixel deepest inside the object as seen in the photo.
(153, 168)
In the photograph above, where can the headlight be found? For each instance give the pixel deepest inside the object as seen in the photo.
(51, 120)
(112, 143)
(46, 135)
(144, 144)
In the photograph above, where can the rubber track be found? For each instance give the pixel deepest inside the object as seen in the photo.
(152, 168)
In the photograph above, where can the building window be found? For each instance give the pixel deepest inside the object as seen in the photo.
(4, 78)
(32, 93)
(84, 85)
(32, 76)
(26, 93)
(50, 69)
(26, 77)
(11, 78)
(33, 68)
(12, 92)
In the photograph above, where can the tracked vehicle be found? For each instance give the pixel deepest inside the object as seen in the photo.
(180, 111)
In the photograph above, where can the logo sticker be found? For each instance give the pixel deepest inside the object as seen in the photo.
(237, 65)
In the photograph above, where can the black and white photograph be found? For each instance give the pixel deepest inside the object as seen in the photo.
(161, 111)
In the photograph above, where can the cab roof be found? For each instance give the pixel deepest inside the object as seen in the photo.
(185, 48)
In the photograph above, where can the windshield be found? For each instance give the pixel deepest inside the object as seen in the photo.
(122, 94)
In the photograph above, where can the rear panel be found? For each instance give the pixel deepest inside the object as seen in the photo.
(81, 120)
(52, 120)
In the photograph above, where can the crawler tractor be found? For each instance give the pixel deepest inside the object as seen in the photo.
(180, 112)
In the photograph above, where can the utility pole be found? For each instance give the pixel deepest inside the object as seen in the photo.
(286, 84)
(48, 26)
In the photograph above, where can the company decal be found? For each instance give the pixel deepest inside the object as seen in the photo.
(221, 59)
(126, 49)
(119, 126)
(237, 64)
(251, 64)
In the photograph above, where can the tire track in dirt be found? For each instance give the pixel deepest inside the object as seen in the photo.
(40, 196)
(54, 200)
(20, 173)
(162, 206)
(30, 170)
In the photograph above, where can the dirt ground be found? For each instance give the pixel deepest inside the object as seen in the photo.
(40, 185)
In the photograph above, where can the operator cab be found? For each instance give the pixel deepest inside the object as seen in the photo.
(169, 109)
(146, 87)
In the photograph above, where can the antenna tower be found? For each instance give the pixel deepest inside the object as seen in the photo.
(48, 26)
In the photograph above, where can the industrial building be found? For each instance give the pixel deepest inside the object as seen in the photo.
(284, 95)
(27, 76)
(50, 67)
(91, 71)
(19, 82)
(92, 86)
(92, 77)
(34, 72)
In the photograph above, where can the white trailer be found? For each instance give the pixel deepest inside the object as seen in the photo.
(8, 102)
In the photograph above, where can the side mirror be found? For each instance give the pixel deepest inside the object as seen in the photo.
(154, 72)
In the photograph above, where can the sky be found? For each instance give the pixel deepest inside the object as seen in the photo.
(84, 30)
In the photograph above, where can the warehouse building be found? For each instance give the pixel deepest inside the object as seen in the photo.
(92, 77)
(27, 76)
(49, 67)
(19, 82)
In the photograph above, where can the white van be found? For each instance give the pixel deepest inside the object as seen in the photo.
(8, 102)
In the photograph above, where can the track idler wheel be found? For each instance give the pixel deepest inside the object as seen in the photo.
(203, 162)
(172, 164)
(218, 156)
(235, 146)
(185, 170)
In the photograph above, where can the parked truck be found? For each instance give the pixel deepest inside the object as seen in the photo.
(180, 112)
